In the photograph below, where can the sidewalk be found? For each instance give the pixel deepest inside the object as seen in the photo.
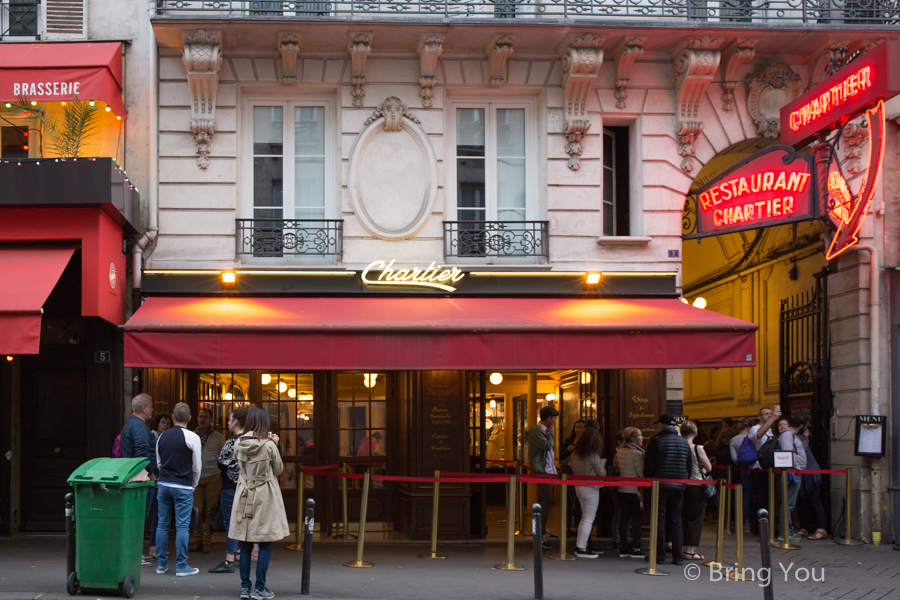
(34, 567)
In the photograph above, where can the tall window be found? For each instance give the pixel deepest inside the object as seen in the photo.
(362, 414)
(221, 393)
(491, 163)
(288, 398)
(616, 209)
(290, 170)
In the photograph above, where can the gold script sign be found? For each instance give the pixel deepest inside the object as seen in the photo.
(435, 276)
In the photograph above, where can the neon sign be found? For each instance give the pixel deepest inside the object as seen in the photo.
(846, 213)
(871, 77)
(775, 185)
(435, 276)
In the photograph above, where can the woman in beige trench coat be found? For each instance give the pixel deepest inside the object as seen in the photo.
(258, 513)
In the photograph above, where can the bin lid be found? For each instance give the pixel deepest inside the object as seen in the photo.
(116, 471)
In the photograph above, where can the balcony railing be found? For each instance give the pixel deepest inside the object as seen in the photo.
(19, 18)
(830, 12)
(277, 238)
(496, 239)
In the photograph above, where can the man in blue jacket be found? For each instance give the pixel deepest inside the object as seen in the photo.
(137, 442)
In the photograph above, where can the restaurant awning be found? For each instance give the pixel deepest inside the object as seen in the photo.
(28, 277)
(433, 333)
(45, 72)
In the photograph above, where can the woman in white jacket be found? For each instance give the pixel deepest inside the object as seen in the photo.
(585, 460)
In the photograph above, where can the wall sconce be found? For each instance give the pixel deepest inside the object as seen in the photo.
(369, 379)
(496, 378)
(229, 280)
(591, 281)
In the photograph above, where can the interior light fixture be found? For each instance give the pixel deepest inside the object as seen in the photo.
(282, 387)
(369, 379)
(292, 393)
(493, 404)
(266, 379)
(496, 378)
(700, 302)
(228, 396)
(307, 397)
(551, 397)
(585, 377)
(488, 424)
(33, 103)
(683, 299)
(9, 358)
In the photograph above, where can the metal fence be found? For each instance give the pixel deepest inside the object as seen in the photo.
(828, 12)
(19, 18)
(496, 239)
(277, 238)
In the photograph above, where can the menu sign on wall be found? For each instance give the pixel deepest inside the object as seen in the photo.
(441, 418)
(773, 186)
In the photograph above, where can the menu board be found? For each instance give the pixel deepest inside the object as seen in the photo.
(641, 400)
(443, 427)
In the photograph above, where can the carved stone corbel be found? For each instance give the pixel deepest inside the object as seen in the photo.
(430, 47)
(359, 47)
(580, 66)
(768, 89)
(696, 61)
(394, 111)
(628, 51)
(739, 52)
(854, 135)
(498, 53)
(202, 59)
(289, 46)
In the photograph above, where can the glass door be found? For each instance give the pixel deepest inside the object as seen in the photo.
(477, 445)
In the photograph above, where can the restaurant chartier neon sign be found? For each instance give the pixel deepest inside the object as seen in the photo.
(846, 212)
(829, 101)
(435, 276)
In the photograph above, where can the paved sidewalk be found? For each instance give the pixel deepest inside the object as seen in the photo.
(34, 567)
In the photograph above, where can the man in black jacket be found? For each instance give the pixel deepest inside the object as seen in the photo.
(668, 457)
(137, 442)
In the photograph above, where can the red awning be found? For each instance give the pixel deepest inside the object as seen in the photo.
(54, 72)
(433, 333)
(28, 277)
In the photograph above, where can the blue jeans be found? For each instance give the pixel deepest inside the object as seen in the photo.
(793, 488)
(152, 512)
(226, 499)
(262, 564)
(174, 503)
(747, 490)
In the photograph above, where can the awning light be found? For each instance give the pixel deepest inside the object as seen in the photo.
(496, 378)
(593, 278)
(700, 302)
(228, 277)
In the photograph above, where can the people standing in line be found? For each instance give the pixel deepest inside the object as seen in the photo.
(629, 463)
(206, 495)
(179, 454)
(791, 440)
(160, 424)
(614, 494)
(573, 506)
(809, 492)
(743, 429)
(694, 511)
(586, 461)
(541, 459)
(230, 472)
(137, 441)
(668, 457)
(760, 481)
(258, 514)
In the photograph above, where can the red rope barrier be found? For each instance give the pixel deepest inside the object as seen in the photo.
(603, 482)
(495, 479)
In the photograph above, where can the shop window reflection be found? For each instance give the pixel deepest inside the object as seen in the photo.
(221, 393)
(362, 422)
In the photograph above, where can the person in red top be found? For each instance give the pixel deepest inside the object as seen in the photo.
(368, 444)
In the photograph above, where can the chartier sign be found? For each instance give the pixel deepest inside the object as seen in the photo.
(773, 186)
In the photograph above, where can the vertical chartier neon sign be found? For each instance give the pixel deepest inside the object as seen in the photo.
(845, 211)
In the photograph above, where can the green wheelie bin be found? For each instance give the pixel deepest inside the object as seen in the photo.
(109, 525)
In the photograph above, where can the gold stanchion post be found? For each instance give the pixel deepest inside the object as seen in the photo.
(727, 499)
(785, 543)
(345, 533)
(520, 501)
(720, 534)
(848, 530)
(434, 521)
(563, 545)
(738, 574)
(299, 544)
(510, 564)
(654, 532)
(772, 504)
(359, 563)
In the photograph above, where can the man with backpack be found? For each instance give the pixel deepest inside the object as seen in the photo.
(136, 441)
(748, 459)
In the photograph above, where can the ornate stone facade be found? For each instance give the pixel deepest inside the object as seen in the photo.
(430, 47)
(498, 53)
(738, 53)
(768, 89)
(202, 59)
(580, 66)
(359, 47)
(696, 62)
(289, 46)
(629, 51)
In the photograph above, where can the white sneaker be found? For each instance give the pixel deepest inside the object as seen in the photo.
(187, 572)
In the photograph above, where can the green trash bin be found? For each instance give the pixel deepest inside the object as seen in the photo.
(109, 524)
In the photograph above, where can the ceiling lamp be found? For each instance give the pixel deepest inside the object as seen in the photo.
(700, 303)
(228, 396)
(496, 378)
(306, 397)
(551, 397)
(292, 393)
(369, 379)
(266, 379)
(282, 387)
(493, 404)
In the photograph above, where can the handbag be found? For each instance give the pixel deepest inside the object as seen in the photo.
(710, 489)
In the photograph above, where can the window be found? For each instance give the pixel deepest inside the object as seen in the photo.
(290, 146)
(288, 398)
(19, 18)
(221, 393)
(492, 156)
(361, 414)
(616, 210)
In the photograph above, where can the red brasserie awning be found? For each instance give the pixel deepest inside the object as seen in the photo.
(45, 72)
(433, 333)
(28, 277)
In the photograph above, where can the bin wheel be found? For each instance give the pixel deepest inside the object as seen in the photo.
(128, 587)
(72, 584)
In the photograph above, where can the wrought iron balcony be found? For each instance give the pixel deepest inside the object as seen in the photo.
(19, 18)
(824, 12)
(496, 239)
(278, 238)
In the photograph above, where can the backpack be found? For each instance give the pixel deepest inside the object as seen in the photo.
(766, 454)
(746, 454)
(117, 447)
